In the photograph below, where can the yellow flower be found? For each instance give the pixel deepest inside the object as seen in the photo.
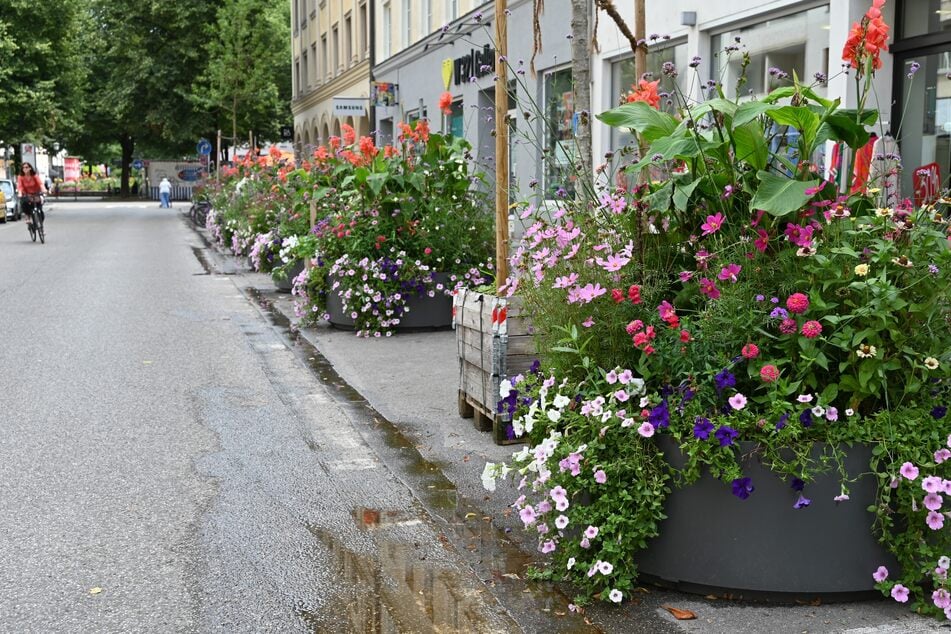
(931, 363)
(884, 212)
(865, 351)
(861, 270)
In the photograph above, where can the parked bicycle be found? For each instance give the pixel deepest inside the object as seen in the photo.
(33, 208)
(199, 211)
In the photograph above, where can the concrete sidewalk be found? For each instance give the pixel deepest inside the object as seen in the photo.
(412, 381)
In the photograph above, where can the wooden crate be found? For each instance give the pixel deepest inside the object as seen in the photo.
(494, 342)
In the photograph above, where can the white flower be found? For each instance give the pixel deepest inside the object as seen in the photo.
(931, 363)
(561, 401)
(645, 402)
(605, 568)
(560, 522)
(554, 415)
(804, 398)
(571, 563)
(504, 388)
(818, 410)
(615, 595)
(636, 386)
(488, 476)
(944, 562)
(849, 412)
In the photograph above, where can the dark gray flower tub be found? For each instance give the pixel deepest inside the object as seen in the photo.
(285, 284)
(425, 313)
(762, 547)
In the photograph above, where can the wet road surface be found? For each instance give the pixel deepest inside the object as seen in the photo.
(171, 460)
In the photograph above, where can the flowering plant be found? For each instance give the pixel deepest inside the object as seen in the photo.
(732, 296)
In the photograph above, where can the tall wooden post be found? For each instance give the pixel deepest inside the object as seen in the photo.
(218, 159)
(501, 146)
(640, 34)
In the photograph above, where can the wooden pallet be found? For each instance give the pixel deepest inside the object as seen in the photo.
(493, 342)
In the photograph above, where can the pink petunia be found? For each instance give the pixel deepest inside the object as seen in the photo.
(933, 502)
(880, 575)
(941, 455)
(737, 401)
(935, 520)
(600, 476)
(646, 429)
(713, 224)
(908, 471)
(900, 593)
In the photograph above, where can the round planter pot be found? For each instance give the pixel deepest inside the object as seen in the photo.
(284, 285)
(425, 313)
(762, 547)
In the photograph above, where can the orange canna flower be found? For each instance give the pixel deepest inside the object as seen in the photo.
(274, 152)
(351, 157)
(321, 154)
(367, 147)
(407, 133)
(645, 91)
(389, 151)
(445, 102)
(867, 40)
(422, 129)
(349, 134)
(305, 165)
(334, 143)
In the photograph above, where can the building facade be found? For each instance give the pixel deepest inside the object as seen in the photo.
(331, 49)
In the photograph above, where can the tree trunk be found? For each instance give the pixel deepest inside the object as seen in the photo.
(128, 146)
(581, 80)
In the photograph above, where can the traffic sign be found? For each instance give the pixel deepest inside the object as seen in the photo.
(287, 133)
(137, 164)
(204, 147)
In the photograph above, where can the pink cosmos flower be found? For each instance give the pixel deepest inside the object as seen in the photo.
(685, 276)
(730, 273)
(591, 532)
(612, 263)
(811, 329)
(646, 429)
(798, 303)
(880, 575)
(935, 520)
(713, 224)
(762, 242)
(908, 471)
(566, 280)
(800, 236)
(737, 401)
(587, 323)
(600, 476)
(900, 593)
(585, 294)
(769, 373)
(750, 351)
(709, 288)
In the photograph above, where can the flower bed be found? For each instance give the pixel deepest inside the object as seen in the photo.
(385, 222)
(735, 301)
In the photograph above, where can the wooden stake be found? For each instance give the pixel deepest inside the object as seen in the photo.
(640, 31)
(501, 147)
(218, 159)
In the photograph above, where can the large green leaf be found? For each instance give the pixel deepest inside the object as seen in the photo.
(660, 200)
(751, 145)
(749, 110)
(843, 126)
(673, 147)
(682, 192)
(800, 117)
(780, 195)
(650, 123)
(725, 106)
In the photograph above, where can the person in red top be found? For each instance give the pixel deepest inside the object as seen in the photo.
(30, 187)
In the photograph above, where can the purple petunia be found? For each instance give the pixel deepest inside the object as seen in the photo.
(723, 380)
(726, 435)
(702, 428)
(742, 487)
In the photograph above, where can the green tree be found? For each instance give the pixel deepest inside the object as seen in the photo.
(248, 77)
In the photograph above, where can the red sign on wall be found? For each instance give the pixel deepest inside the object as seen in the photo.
(927, 183)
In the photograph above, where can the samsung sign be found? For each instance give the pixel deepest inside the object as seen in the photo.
(476, 64)
(350, 106)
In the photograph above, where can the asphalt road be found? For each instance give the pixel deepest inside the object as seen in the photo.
(169, 463)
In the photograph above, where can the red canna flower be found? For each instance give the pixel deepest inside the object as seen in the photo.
(445, 102)
(321, 154)
(349, 134)
(334, 143)
(645, 91)
(867, 40)
(367, 147)
(422, 129)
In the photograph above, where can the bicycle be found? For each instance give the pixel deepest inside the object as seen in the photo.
(35, 211)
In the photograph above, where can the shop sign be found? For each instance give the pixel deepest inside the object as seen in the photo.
(350, 106)
(478, 63)
(446, 73)
(927, 184)
(383, 93)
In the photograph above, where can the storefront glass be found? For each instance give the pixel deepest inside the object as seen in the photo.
(920, 17)
(559, 135)
(926, 124)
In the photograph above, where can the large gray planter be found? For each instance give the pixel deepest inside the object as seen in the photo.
(762, 546)
(425, 313)
(285, 284)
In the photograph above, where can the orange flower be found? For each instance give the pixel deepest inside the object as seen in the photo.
(274, 152)
(867, 40)
(445, 102)
(334, 143)
(407, 133)
(389, 151)
(349, 134)
(321, 154)
(645, 91)
(305, 165)
(422, 129)
(350, 156)
(367, 147)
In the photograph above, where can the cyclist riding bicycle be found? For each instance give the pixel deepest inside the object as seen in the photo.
(31, 188)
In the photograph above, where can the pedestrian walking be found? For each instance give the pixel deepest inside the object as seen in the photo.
(165, 193)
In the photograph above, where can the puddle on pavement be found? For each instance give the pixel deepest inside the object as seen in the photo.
(398, 591)
(497, 560)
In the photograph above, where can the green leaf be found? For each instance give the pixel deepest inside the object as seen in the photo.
(751, 145)
(650, 123)
(719, 105)
(781, 195)
(682, 193)
(671, 147)
(841, 125)
(866, 371)
(376, 182)
(660, 200)
(799, 117)
(749, 111)
(829, 393)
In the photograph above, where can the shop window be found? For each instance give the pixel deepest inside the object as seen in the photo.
(456, 127)
(559, 121)
(789, 43)
(921, 17)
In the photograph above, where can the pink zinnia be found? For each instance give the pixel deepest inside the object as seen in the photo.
(788, 326)
(797, 303)
(713, 224)
(769, 373)
(750, 351)
(811, 329)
